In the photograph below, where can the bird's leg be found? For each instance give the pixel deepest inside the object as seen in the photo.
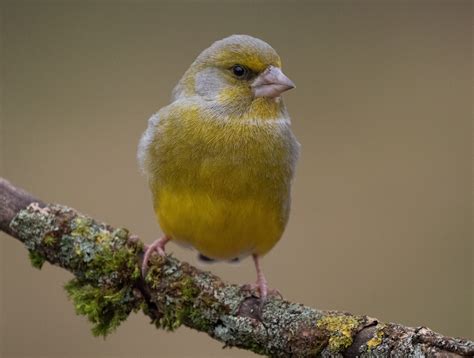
(261, 280)
(261, 284)
(158, 246)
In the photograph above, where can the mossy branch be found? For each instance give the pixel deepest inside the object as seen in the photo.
(108, 286)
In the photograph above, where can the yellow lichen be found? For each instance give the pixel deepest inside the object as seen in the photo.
(376, 340)
(340, 329)
(81, 226)
(102, 236)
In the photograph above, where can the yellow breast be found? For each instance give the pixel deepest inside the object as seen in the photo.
(221, 186)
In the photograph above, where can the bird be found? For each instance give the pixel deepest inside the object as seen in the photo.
(220, 158)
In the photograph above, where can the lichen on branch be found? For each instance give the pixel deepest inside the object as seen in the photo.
(103, 260)
(108, 286)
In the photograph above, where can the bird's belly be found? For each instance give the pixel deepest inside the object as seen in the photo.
(219, 227)
(222, 187)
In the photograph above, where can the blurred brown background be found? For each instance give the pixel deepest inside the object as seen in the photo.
(381, 218)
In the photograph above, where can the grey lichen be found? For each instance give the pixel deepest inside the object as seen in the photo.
(278, 328)
(32, 224)
(234, 330)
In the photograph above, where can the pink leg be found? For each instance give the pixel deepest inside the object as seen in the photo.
(261, 283)
(261, 280)
(159, 247)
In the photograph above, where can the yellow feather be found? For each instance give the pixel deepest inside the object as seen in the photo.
(221, 186)
(220, 168)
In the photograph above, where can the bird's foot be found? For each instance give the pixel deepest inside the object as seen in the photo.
(260, 290)
(261, 283)
(37, 208)
(263, 292)
(158, 246)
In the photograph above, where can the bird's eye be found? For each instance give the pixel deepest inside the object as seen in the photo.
(239, 71)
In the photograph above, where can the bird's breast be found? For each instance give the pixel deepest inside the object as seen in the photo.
(222, 186)
(224, 156)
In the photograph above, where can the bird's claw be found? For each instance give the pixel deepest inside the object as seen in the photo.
(35, 206)
(158, 246)
(256, 288)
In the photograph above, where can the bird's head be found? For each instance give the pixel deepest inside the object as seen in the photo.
(240, 75)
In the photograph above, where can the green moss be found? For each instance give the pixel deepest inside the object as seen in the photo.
(198, 320)
(109, 269)
(154, 273)
(176, 304)
(188, 289)
(106, 266)
(106, 308)
(175, 298)
(37, 260)
(49, 240)
(340, 328)
(115, 265)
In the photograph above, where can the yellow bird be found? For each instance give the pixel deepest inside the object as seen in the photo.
(221, 157)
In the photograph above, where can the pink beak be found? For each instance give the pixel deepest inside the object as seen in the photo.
(271, 83)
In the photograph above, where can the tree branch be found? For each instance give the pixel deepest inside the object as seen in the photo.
(108, 286)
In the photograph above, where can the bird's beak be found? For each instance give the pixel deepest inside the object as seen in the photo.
(271, 83)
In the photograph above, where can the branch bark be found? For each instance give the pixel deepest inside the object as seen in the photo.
(108, 286)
